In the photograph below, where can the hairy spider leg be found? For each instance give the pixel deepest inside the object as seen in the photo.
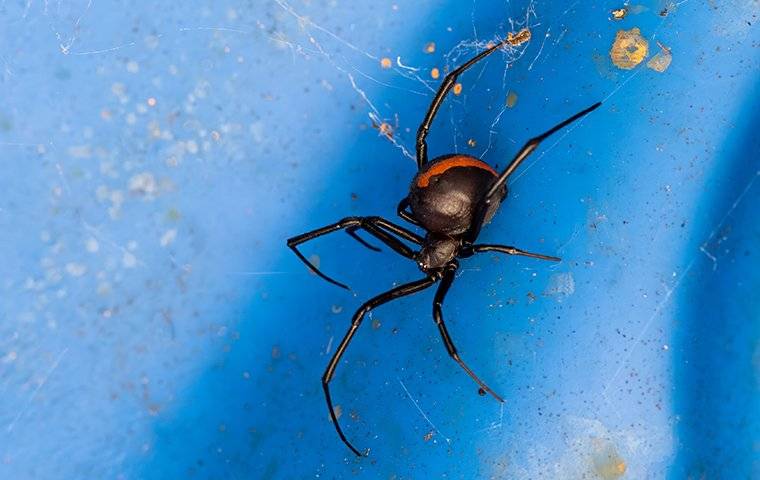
(380, 228)
(512, 251)
(440, 294)
(446, 86)
(400, 291)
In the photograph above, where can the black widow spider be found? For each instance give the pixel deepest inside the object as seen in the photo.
(451, 198)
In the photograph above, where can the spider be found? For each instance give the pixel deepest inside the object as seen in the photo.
(451, 197)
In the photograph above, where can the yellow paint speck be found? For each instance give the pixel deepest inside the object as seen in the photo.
(457, 89)
(629, 49)
(619, 13)
(385, 62)
(435, 73)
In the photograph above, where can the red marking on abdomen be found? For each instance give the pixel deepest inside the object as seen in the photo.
(423, 180)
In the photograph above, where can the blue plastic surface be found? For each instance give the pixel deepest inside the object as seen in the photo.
(154, 325)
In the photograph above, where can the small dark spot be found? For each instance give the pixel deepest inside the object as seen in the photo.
(481, 392)
(354, 196)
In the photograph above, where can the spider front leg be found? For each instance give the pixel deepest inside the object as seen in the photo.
(448, 83)
(440, 294)
(378, 227)
(400, 291)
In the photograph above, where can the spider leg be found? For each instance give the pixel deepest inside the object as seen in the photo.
(404, 214)
(400, 291)
(448, 83)
(512, 251)
(440, 294)
(351, 231)
(378, 227)
(530, 146)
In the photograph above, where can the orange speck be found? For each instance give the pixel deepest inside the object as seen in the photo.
(511, 99)
(151, 102)
(430, 47)
(457, 89)
(435, 73)
(621, 467)
(386, 129)
(385, 62)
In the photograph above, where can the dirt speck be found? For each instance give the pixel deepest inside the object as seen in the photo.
(608, 464)
(276, 352)
(338, 411)
(518, 38)
(472, 143)
(629, 49)
(385, 62)
(661, 61)
(428, 436)
(511, 99)
(376, 324)
(619, 13)
(429, 47)
(435, 73)
(561, 285)
(314, 260)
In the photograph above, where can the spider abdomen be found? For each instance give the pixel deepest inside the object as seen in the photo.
(445, 194)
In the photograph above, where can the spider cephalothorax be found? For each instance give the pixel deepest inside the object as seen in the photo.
(451, 197)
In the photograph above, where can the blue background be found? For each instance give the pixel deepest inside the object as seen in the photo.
(155, 159)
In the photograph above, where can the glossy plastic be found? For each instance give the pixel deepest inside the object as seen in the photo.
(153, 323)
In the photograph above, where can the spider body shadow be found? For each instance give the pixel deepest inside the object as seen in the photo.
(451, 197)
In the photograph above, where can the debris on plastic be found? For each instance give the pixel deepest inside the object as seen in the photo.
(518, 38)
(429, 47)
(471, 143)
(314, 260)
(511, 99)
(385, 62)
(629, 49)
(338, 411)
(457, 89)
(667, 9)
(435, 73)
(383, 128)
(608, 464)
(560, 286)
(619, 13)
(661, 61)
